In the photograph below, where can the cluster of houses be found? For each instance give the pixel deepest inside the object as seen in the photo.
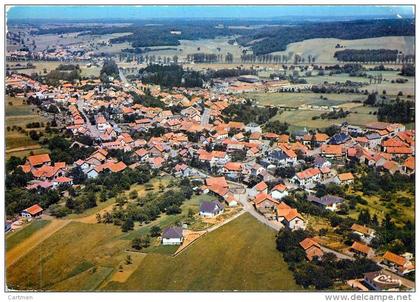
(197, 142)
(390, 262)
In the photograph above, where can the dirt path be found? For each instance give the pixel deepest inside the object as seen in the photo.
(27, 148)
(92, 218)
(35, 239)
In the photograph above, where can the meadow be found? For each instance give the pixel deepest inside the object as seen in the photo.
(13, 238)
(324, 49)
(86, 258)
(299, 119)
(18, 114)
(292, 99)
(360, 115)
(241, 255)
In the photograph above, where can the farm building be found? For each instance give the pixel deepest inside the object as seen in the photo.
(32, 212)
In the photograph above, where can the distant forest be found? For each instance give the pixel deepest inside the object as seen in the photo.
(277, 38)
(262, 40)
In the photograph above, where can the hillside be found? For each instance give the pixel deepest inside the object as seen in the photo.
(323, 49)
(238, 256)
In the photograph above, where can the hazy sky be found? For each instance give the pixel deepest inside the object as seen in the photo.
(150, 12)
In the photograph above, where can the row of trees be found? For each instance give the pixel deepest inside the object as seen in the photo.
(369, 55)
(69, 73)
(109, 69)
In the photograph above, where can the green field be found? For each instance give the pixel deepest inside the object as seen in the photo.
(391, 89)
(238, 256)
(66, 254)
(290, 99)
(19, 114)
(13, 238)
(323, 49)
(299, 119)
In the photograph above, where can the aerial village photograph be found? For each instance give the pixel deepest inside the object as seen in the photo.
(209, 149)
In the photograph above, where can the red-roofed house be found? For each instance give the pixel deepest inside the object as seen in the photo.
(409, 165)
(397, 263)
(259, 188)
(290, 218)
(308, 177)
(344, 178)
(32, 212)
(38, 160)
(311, 248)
(279, 191)
(265, 204)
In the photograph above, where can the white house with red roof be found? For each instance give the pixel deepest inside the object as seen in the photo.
(279, 191)
(32, 212)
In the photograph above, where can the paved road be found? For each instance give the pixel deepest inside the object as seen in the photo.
(205, 117)
(92, 128)
(123, 78)
(243, 199)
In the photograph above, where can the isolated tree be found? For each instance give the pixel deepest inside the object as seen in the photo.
(98, 218)
(155, 231)
(127, 225)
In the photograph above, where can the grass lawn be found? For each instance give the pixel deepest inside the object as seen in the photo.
(387, 85)
(324, 48)
(88, 280)
(241, 255)
(13, 238)
(161, 249)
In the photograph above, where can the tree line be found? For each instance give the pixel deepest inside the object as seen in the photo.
(271, 39)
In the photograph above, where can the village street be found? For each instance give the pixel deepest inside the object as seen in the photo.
(92, 128)
(205, 117)
(243, 199)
